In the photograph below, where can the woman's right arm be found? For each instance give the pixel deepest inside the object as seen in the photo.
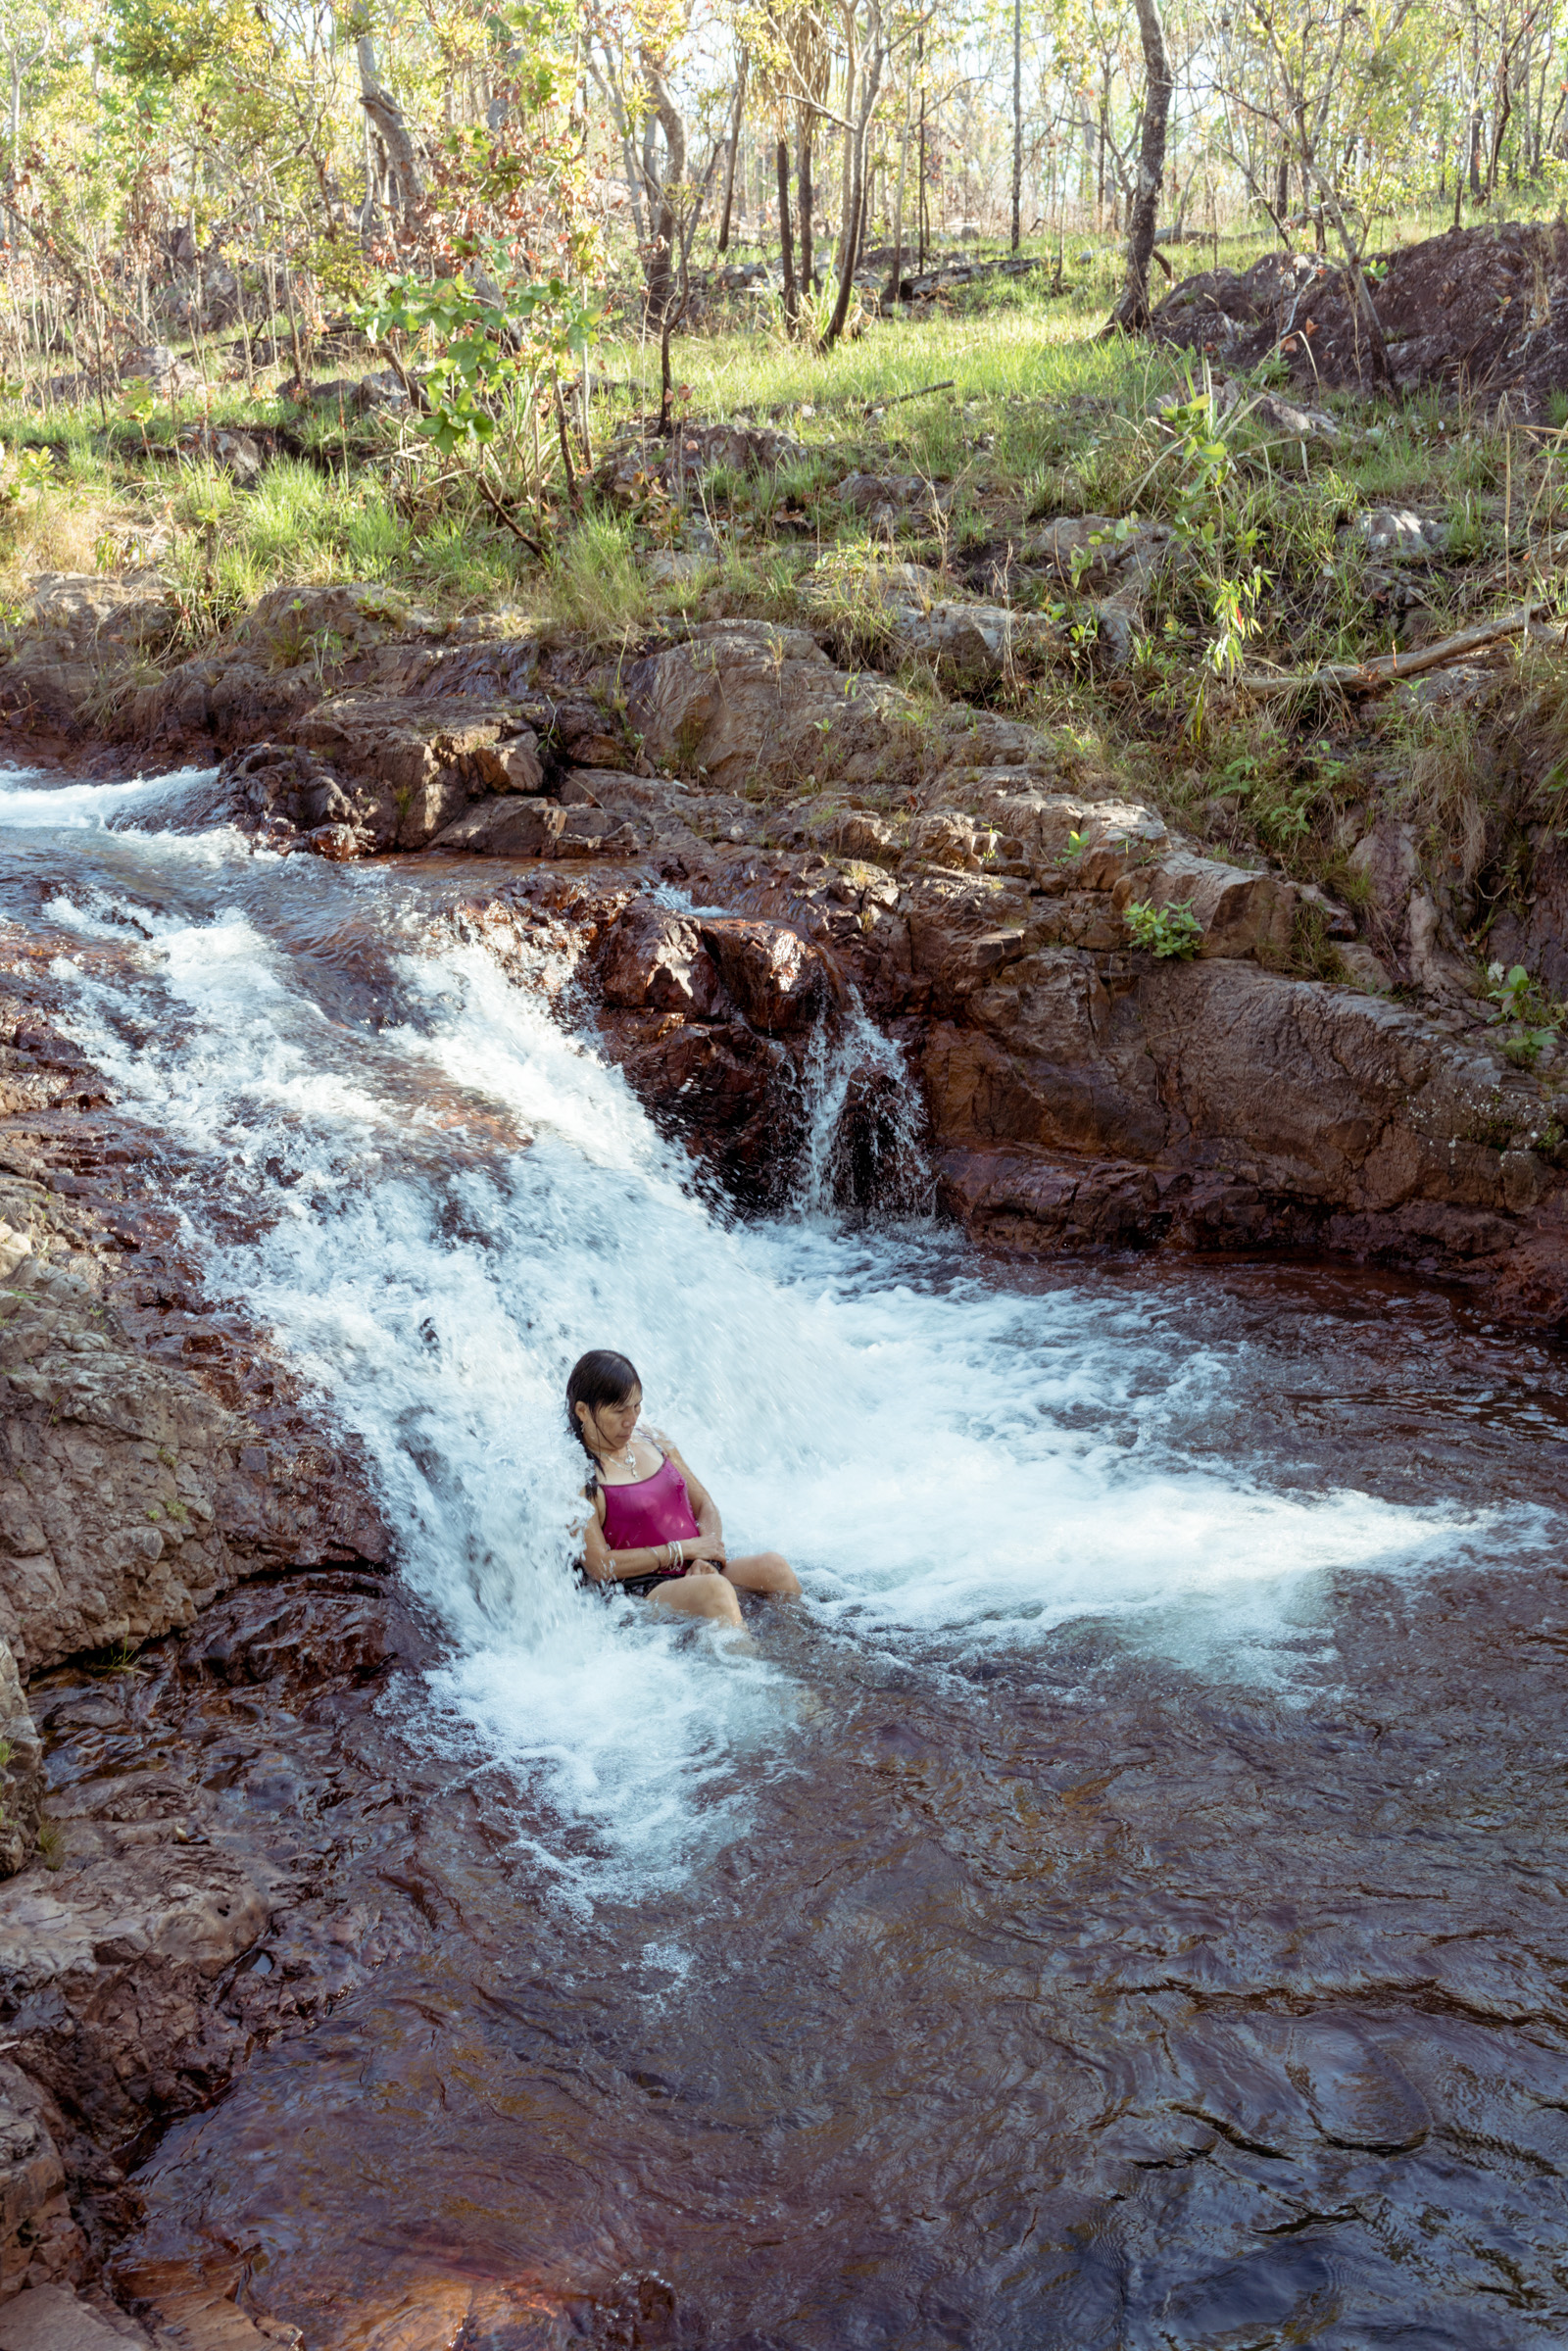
(606, 1566)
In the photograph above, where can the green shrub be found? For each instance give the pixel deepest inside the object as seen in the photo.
(1167, 932)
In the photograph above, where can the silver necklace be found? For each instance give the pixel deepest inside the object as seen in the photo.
(628, 1460)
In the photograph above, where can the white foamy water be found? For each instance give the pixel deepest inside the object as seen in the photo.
(454, 1198)
(33, 803)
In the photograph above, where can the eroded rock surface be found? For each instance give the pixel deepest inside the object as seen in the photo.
(151, 1457)
(1479, 310)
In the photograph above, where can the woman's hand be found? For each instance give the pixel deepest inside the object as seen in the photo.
(704, 1554)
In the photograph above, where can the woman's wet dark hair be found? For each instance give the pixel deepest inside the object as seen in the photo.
(599, 1378)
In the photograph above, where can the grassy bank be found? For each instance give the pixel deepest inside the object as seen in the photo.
(1035, 417)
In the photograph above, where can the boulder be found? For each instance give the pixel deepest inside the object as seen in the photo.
(40, 2244)
(1096, 553)
(741, 700)
(655, 961)
(273, 791)
(1397, 536)
(237, 454)
(633, 461)
(510, 826)
(419, 762)
(171, 377)
(780, 983)
(734, 1094)
(860, 833)
(969, 643)
(1242, 913)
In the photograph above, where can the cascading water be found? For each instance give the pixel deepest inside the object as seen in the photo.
(437, 1196)
(863, 1145)
(947, 1460)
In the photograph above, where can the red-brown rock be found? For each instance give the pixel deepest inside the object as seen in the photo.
(655, 961)
(780, 982)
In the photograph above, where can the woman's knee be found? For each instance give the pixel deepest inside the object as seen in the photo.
(771, 1572)
(785, 1581)
(702, 1595)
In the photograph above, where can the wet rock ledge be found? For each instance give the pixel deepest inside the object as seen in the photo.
(153, 1460)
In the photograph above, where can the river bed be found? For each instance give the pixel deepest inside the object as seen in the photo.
(1123, 1906)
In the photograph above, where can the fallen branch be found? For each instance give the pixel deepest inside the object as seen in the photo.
(501, 515)
(945, 385)
(1389, 668)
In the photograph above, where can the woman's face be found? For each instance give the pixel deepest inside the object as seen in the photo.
(609, 1429)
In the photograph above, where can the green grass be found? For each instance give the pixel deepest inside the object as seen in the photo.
(1042, 418)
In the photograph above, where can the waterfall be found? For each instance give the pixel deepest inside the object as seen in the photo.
(437, 1196)
(864, 1150)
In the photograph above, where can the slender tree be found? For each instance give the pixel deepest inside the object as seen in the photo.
(1132, 310)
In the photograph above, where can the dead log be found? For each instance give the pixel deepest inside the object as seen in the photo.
(1389, 668)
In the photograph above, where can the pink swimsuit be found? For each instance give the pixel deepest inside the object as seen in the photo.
(647, 1513)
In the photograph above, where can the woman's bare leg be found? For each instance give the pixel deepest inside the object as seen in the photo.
(765, 1571)
(699, 1595)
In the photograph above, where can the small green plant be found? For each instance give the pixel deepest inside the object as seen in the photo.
(1077, 843)
(1523, 1005)
(1169, 933)
(51, 1845)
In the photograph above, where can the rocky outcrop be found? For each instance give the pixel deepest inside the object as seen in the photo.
(1481, 311)
(185, 1916)
(1082, 1094)
(152, 1458)
(977, 877)
(133, 1488)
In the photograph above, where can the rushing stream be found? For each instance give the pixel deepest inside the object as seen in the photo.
(1122, 1907)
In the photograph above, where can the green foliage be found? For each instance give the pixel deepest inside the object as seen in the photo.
(1169, 933)
(1523, 1005)
(492, 354)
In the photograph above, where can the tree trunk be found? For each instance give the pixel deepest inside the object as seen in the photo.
(786, 241)
(920, 211)
(386, 112)
(1504, 109)
(1131, 313)
(1477, 123)
(802, 182)
(896, 275)
(1017, 120)
(663, 220)
(850, 243)
(734, 150)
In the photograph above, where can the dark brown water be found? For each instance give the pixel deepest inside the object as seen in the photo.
(1169, 1950)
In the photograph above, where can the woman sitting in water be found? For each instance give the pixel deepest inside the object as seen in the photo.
(654, 1530)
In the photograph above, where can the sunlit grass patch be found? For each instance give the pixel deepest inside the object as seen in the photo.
(600, 585)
